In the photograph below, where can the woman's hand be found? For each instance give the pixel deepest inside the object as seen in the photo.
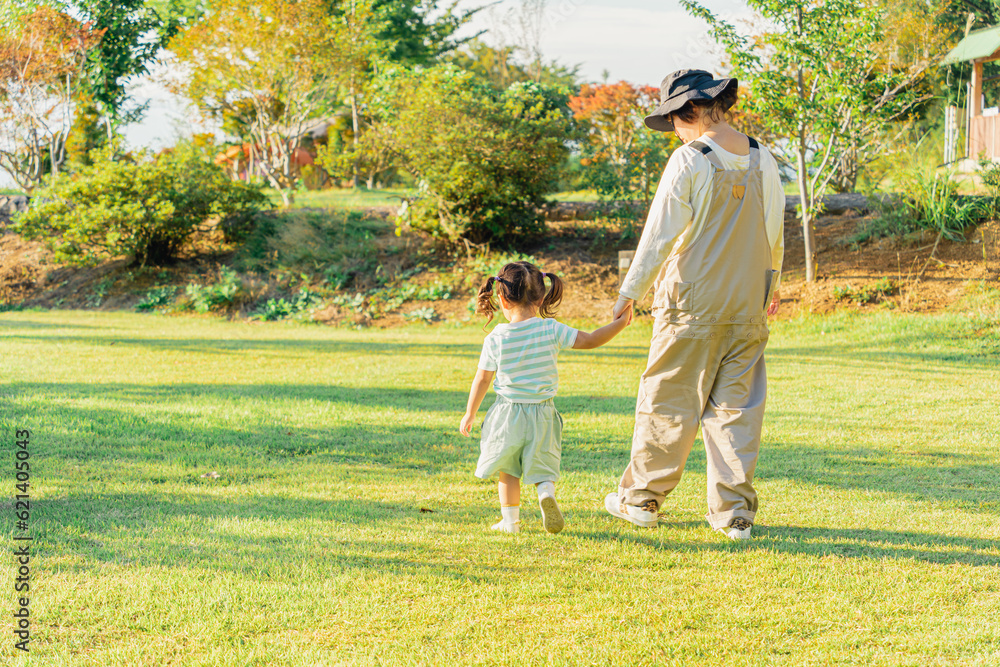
(621, 306)
(775, 304)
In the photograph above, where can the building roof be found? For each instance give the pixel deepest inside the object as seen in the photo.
(981, 43)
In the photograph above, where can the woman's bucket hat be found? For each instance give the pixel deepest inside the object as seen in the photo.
(679, 88)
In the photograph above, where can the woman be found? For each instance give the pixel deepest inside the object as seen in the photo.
(712, 251)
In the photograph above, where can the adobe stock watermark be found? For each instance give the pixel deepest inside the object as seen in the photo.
(560, 13)
(22, 538)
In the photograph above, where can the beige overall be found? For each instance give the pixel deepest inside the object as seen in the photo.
(706, 357)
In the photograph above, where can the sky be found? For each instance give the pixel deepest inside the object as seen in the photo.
(633, 40)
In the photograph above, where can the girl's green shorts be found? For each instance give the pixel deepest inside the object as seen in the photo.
(523, 440)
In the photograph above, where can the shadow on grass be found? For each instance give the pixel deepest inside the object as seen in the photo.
(31, 324)
(297, 347)
(820, 542)
(156, 427)
(905, 352)
(269, 537)
(422, 400)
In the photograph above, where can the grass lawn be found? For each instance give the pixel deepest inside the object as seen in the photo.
(361, 199)
(349, 199)
(878, 540)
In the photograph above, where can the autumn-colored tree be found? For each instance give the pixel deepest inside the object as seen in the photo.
(273, 65)
(41, 64)
(622, 157)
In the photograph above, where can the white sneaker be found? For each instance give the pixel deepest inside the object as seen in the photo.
(738, 529)
(552, 518)
(505, 527)
(644, 516)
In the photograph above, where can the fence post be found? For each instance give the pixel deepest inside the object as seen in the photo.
(625, 258)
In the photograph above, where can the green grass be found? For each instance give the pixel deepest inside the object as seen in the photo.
(344, 198)
(361, 199)
(877, 540)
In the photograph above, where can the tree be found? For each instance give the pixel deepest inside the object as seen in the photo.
(499, 66)
(820, 82)
(419, 32)
(272, 65)
(360, 49)
(483, 158)
(621, 156)
(133, 34)
(41, 65)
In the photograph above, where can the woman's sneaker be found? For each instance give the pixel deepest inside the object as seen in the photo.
(738, 529)
(644, 515)
(505, 527)
(552, 518)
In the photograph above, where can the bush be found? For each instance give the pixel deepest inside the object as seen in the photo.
(223, 295)
(143, 210)
(483, 158)
(931, 201)
(279, 309)
(872, 293)
(427, 315)
(156, 297)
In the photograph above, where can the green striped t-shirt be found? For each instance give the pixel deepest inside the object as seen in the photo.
(523, 355)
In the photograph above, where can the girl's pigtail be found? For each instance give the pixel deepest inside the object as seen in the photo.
(553, 298)
(486, 305)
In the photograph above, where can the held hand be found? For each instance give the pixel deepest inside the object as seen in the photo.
(465, 428)
(775, 304)
(623, 306)
(624, 318)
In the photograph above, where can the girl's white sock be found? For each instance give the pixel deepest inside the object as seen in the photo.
(511, 514)
(546, 489)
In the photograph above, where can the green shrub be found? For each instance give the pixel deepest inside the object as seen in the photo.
(99, 292)
(279, 309)
(436, 292)
(989, 174)
(483, 158)
(223, 295)
(930, 200)
(871, 293)
(143, 210)
(426, 315)
(156, 297)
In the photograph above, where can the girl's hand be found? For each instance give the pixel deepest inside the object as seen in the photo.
(622, 306)
(465, 428)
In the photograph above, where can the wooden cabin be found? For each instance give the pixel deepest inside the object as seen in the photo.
(983, 135)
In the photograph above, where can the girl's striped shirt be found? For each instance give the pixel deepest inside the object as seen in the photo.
(523, 355)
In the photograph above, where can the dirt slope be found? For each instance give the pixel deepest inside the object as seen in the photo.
(585, 254)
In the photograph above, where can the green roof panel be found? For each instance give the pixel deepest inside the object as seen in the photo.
(979, 44)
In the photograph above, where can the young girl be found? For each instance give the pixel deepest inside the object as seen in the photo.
(522, 431)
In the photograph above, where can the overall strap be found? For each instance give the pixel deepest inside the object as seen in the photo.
(754, 154)
(706, 150)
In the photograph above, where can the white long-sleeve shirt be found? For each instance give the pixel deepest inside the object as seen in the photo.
(679, 211)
